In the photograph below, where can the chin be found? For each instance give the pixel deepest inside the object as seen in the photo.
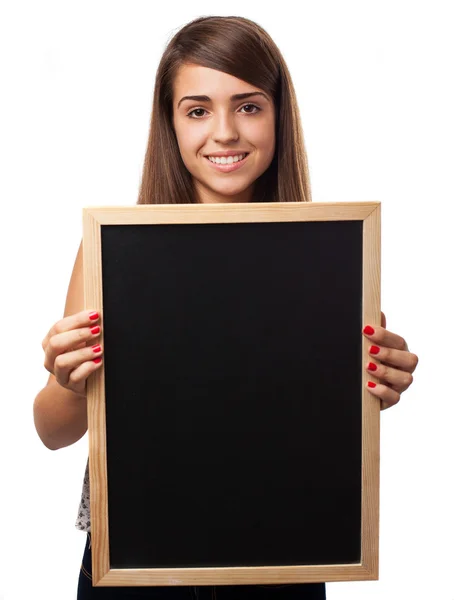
(231, 198)
(225, 191)
(230, 192)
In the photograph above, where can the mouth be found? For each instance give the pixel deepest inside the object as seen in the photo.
(228, 167)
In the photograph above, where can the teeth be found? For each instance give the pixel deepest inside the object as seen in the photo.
(224, 160)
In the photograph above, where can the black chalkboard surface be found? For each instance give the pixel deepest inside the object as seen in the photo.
(232, 398)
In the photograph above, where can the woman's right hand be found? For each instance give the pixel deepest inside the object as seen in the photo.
(71, 350)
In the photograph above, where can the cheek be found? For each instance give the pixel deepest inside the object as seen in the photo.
(189, 142)
(271, 143)
(267, 149)
(263, 137)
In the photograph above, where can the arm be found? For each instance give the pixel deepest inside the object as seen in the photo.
(60, 416)
(60, 413)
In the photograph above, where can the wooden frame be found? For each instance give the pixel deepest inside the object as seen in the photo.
(367, 569)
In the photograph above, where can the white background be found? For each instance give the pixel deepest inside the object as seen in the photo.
(374, 83)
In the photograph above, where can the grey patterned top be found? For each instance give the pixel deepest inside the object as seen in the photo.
(83, 516)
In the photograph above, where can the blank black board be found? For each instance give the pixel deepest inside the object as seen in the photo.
(233, 380)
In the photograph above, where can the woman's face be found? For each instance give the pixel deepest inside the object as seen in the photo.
(214, 123)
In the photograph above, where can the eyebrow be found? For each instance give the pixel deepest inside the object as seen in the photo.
(232, 98)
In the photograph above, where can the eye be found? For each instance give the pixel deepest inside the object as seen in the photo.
(257, 109)
(194, 111)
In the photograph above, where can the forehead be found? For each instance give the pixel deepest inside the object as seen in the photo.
(192, 80)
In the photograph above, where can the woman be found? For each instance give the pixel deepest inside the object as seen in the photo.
(225, 127)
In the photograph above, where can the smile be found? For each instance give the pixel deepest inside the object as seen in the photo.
(229, 163)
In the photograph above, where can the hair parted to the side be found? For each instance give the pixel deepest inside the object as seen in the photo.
(238, 47)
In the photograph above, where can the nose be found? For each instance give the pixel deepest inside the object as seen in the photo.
(224, 128)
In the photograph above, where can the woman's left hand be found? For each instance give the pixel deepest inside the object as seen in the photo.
(391, 363)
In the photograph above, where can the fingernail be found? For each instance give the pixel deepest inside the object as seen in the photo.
(95, 329)
(93, 316)
(97, 360)
(368, 330)
(96, 348)
(374, 350)
(372, 367)
(370, 384)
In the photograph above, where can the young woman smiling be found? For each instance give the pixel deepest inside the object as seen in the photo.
(225, 127)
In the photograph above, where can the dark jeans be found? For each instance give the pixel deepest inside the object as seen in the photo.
(307, 591)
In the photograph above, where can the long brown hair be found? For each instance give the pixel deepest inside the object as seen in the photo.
(238, 47)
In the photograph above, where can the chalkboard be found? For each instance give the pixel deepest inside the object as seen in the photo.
(232, 438)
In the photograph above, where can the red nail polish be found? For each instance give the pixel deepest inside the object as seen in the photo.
(95, 329)
(93, 316)
(368, 330)
(371, 384)
(372, 367)
(374, 350)
(97, 360)
(96, 348)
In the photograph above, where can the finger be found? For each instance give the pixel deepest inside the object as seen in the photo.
(403, 360)
(66, 363)
(84, 318)
(62, 343)
(78, 377)
(388, 397)
(383, 337)
(395, 378)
